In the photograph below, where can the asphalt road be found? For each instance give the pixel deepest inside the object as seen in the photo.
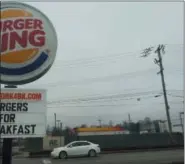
(159, 157)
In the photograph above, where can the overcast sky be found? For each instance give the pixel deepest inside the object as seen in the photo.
(99, 47)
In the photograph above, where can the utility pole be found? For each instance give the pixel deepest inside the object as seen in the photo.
(159, 62)
(129, 118)
(182, 126)
(55, 119)
(110, 123)
(58, 124)
(100, 122)
(61, 125)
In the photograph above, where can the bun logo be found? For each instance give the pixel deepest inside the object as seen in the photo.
(28, 43)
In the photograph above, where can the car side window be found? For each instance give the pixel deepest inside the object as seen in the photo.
(85, 143)
(75, 144)
(80, 144)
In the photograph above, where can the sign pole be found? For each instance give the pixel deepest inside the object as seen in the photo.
(7, 143)
(7, 151)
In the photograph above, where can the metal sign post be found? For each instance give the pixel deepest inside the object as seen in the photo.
(7, 144)
(7, 151)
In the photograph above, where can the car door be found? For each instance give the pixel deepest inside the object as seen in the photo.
(84, 148)
(80, 149)
(73, 149)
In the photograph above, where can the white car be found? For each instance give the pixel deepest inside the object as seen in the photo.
(76, 148)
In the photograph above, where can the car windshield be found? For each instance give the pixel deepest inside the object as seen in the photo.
(68, 145)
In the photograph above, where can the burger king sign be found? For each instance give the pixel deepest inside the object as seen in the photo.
(28, 43)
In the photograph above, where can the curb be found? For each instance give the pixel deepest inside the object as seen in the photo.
(141, 150)
(177, 162)
(174, 162)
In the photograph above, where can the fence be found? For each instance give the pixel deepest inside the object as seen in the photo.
(110, 142)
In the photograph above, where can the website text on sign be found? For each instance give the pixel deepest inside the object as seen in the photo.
(20, 96)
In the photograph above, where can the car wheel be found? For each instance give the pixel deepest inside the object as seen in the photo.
(62, 155)
(92, 153)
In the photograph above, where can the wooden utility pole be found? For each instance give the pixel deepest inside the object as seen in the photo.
(182, 126)
(159, 62)
(55, 119)
(129, 118)
(58, 124)
(61, 125)
(100, 122)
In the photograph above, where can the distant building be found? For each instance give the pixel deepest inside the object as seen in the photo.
(147, 127)
(163, 126)
(157, 126)
(101, 131)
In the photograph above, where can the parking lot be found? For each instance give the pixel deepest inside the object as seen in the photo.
(158, 157)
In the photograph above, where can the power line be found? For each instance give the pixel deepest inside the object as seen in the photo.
(101, 79)
(100, 100)
(175, 95)
(103, 58)
(98, 58)
(110, 105)
(98, 79)
(126, 91)
(113, 96)
(94, 102)
(176, 90)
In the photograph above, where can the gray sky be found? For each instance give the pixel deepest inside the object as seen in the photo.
(93, 60)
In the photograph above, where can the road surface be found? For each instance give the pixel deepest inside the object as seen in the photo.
(158, 157)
